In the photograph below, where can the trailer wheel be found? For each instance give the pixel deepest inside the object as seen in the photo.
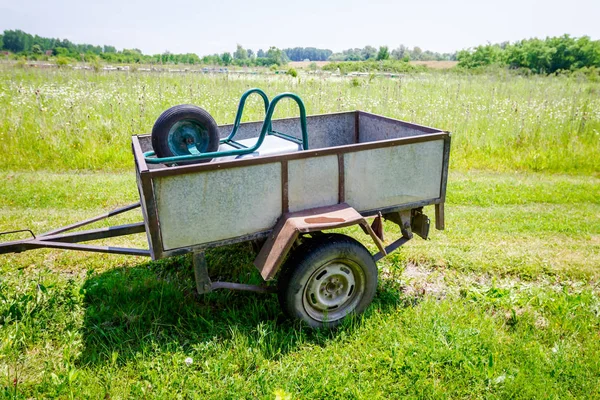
(183, 130)
(325, 279)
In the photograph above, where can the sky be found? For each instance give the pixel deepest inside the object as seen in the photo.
(208, 27)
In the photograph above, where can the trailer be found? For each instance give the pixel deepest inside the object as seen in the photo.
(285, 192)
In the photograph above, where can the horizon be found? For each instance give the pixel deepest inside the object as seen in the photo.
(332, 26)
(75, 42)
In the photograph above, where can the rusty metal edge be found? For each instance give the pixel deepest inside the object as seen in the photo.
(187, 169)
(91, 220)
(445, 166)
(156, 248)
(217, 243)
(95, 234)
(138, 154)
(439, 209)
(285, 202)
(356, 126)
(407, 206)
(36, 244)
(419, 127)
(341, 179)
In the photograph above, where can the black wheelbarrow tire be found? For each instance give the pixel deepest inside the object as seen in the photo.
(327, 278)
(182, 125)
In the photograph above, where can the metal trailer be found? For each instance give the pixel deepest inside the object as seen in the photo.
(359, 165)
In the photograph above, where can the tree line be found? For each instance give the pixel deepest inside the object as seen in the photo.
(383, 53)
(36, 47)
(541, 56)
(22, 44)
(544, 56)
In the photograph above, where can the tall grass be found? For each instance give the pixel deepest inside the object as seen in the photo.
(504, 303)
(65, 119)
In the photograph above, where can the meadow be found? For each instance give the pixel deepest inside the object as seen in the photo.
(505, 303)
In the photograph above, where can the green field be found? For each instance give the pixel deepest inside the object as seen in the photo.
(505, 303)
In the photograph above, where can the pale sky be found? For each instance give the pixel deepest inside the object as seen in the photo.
(207, 27)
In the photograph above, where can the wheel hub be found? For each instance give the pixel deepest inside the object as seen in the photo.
(331, 291)
(188, 137)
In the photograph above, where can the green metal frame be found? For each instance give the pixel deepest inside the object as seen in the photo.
(150, 156)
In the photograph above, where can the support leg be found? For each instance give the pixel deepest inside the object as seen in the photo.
(439, 216)
(203, 283)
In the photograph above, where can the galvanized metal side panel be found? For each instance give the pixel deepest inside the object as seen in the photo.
(312, 182)
(215, 205)
(327, 130)
(373, 128)
(392, 176)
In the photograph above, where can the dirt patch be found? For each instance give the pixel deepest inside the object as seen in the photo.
(418, 281)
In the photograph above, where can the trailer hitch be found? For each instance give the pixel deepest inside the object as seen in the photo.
(58, 239)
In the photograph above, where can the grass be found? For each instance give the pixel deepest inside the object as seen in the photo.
(67, 120)
(505, 303)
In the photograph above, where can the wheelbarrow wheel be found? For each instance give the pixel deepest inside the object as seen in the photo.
(326, 279)
(183, 130)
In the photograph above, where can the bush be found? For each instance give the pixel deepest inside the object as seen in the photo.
(96, 64)
(536, 55)
(62, 61)
(391, 66)
(21, 62)
(292, 72)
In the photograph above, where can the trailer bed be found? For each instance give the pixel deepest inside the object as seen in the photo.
(372, 163)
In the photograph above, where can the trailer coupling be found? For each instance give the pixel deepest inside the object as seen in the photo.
(58, 239)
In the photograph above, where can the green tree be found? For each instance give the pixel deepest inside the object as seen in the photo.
(369, 52)
(399, 52)
(481, 56)
(15, 41)
(383, 53)
(226, 58)
(240, 53)
(416, 53)
(277, 56)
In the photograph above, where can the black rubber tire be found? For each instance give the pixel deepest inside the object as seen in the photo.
(164, 123)
(311, 256)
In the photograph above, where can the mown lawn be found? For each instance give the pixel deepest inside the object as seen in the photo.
(504, 303)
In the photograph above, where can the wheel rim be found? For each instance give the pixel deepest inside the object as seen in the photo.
(334, 290)
(188, 137)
